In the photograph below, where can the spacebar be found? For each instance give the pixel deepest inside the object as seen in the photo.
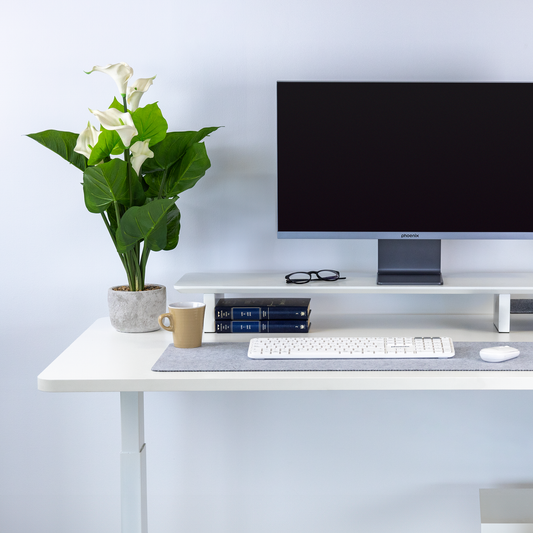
(352, 355)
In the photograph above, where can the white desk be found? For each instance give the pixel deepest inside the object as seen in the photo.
(214, 285)
(103, 360)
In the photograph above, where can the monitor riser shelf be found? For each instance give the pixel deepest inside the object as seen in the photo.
(215, 285)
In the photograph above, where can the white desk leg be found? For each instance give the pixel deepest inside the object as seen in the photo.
(209, 319)
(133, 463)
(502, 312)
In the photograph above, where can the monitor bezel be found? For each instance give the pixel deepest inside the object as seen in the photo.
(409, 233)
(402, 235)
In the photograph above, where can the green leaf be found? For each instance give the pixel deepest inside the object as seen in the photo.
(153, 182)
(63, 144)
(186, 173)
(108, 143)
(148, 223)
(139, 197)
(172, 148)
(108, 183)
(150, 124)
(204, 132)
(115, 104)
(173, 228)
(105, 184)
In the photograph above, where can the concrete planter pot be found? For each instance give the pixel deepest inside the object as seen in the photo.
(136, 311)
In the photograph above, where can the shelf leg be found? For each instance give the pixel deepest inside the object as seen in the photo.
(506, 510)
(133, 464)
(210, 301)
(502, 312)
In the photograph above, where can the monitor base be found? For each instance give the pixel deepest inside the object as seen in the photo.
(409, 262)
(409, 279)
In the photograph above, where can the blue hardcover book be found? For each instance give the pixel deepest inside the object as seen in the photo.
(262, 326)
(262, 309)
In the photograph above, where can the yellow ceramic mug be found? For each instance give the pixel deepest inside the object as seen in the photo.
(186, 321)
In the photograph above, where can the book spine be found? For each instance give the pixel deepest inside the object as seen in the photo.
(261, 326)
(261, 313)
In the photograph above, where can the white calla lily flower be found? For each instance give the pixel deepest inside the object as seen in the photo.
(120, 72)
(140, 153)
(136, 90)
(87, 139)
(122, 123)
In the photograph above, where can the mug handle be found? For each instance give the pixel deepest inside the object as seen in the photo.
(160, 319)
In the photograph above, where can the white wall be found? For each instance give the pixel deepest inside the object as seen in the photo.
(233, 462)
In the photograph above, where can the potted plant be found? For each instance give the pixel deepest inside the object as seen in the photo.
(133, 172)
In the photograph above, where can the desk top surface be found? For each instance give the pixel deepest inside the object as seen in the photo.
(103, 360)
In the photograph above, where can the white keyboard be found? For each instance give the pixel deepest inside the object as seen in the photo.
(350, 348)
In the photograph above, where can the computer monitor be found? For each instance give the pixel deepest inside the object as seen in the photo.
(407, 163)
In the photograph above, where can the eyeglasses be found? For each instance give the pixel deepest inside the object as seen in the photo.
(306, 277)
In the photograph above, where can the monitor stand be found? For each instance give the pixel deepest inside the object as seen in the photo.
(409, 262)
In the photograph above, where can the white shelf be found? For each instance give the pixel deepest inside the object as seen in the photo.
(215, 284)
(355, 282)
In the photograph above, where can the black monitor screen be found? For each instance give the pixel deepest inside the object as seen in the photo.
(382, 159)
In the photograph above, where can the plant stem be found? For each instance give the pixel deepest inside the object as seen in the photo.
(128, 260)
(144, 259)
(114, 239)
(117, 211)
(132, 257)
(127, 157)
(138, 273)
(130, 270)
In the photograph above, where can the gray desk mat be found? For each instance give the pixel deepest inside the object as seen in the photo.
(232, 357)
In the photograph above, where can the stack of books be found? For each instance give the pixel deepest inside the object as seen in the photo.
(262, 315)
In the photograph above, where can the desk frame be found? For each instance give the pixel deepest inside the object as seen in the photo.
(103, 360)
(134, 518)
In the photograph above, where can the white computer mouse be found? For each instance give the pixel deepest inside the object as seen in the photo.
(498, 354)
